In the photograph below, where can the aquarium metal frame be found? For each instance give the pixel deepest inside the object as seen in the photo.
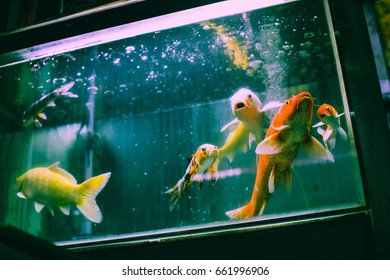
(375, 208)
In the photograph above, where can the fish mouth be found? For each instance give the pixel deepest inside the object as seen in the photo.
(305, 97)
(214, 152)
(239, 105)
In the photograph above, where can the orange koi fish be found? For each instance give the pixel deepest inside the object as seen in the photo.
(203, 160)
(329, 117)
(250, 119)
(289, 130)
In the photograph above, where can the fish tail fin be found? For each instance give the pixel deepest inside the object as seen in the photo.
(247, 211)
(176, 192)
(89, 190)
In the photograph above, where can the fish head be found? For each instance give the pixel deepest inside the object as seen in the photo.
(245, 104)
(295, 112)
(326, 110)
(207, 151)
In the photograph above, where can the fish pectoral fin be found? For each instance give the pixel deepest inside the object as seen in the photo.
(318, 124)
(271, 105)
(332, 143)
(65, 209)
(21, 195)
(313, 148)
(51, 104)
(38, 207)
(70, 94)
(270, 145)
(342, 133)
(233, 122)
(320, 131)
(339, 115)
(42, 116)
(327, 134)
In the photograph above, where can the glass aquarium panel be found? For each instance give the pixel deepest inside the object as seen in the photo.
(179, 121)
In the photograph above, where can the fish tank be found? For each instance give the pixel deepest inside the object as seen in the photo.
(212, 119)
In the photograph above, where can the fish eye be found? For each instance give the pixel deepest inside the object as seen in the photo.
(327, 108)
(250, 95)
(287, 102)
(204, 150)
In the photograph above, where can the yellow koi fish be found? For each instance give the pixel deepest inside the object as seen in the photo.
(54, 187)
(289, 130)
(203, 160)
(250, 119)
(237, 54)
(331, 119)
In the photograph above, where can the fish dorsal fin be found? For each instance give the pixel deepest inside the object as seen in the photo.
(270, 145)
(342, 133)
(271, 105)
(233, 122)
(313, 148)
(55, 168)
(38, 207)
(318, 124)
(21, 195)
(65, 209)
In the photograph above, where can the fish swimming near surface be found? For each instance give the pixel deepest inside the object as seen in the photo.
(249, 123)
(331, 119)
(289, 130)
(54, 187)
(203, 160)
(236, 51)
(35, 111)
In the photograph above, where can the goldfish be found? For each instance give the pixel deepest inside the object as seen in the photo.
(54, 187)
(288, 131)
(250, 119)
(203, 160)
(35, 111)
(329, 117)
(237, 53)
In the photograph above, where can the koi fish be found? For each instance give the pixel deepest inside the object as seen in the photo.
(237, 53)
(289, 130)
(329, 117)
(54, 187)
(250, 117)
(203, 160)
(35, 111)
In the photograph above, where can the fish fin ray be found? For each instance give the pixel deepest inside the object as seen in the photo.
(342, 133)
(313, 148)
(233, 122)
(65, 209)
(271, 105)
(318, 124)
(271, 181)
(55, 168)
(38, 207)
(21, 195)
(270, 145)
(89, 190)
